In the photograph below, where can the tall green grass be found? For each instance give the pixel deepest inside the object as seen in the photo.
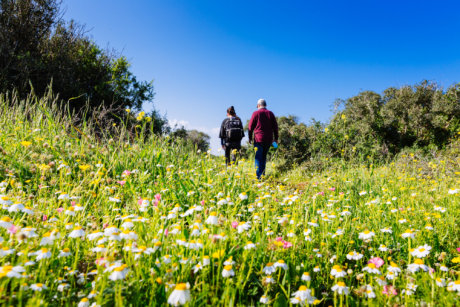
(45, 155)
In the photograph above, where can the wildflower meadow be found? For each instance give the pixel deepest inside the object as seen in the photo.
(134, 219)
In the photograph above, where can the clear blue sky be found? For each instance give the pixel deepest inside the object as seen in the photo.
(206, 55)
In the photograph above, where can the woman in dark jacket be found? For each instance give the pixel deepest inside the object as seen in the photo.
(231, 133)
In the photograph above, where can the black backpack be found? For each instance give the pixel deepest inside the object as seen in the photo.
(233, 130)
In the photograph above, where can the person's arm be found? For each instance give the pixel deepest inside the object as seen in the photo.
(275, 128)
(222, 133)
(251, 126)
(242, 128)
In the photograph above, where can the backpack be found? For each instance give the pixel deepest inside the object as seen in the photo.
(233, 130)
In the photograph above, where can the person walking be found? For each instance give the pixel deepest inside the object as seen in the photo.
(231, 133)
(263, 130)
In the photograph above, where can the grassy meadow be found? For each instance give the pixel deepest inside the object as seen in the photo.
(91, 219)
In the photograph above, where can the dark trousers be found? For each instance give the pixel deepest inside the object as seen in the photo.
(229, 158)
(261, 158)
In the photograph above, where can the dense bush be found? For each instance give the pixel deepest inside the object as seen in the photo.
(375, 127)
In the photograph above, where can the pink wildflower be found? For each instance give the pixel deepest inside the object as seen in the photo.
(377, 261)
(13, 229)
(458, 249)
(126, 173)
(158, 197)
(286, 244)
(320, 193)
(73, 203)
(202, 202)
(45, 217)
(389, 290)
(101, 261)
(139, 201)
(235, 224)
(331, 189)
(60, 209)
(121, 182)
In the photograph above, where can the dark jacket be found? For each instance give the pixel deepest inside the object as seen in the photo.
(264, 126)
(223, 133)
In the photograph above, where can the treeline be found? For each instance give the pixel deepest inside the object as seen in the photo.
(375, 127)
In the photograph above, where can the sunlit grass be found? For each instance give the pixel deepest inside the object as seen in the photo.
(127, 220)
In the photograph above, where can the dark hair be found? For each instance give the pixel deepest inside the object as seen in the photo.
(231, 111)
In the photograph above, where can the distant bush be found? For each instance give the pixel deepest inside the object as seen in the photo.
(199, 140)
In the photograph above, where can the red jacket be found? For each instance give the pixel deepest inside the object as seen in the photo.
(264, 126)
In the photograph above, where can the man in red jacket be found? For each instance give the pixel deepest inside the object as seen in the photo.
(263, 130)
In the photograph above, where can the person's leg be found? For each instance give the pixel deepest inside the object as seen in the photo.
(266, 148)
(227, 155)
(260, 165)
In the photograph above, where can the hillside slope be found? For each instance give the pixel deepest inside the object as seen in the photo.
(106, 220)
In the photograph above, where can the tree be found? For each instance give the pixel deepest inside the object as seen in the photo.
(37, 48)
(199, 139)
(24, 27)
(196, 138)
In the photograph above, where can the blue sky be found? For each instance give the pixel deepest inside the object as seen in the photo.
(206, 55)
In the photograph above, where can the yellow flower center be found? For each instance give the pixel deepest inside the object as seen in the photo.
(341, 284)
(120, 268)
(371, 265)
(418, 261)
(227, 267)
(302, 288)
(181, 286)
(7, 268)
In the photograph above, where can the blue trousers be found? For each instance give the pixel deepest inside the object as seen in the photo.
(261, 158)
